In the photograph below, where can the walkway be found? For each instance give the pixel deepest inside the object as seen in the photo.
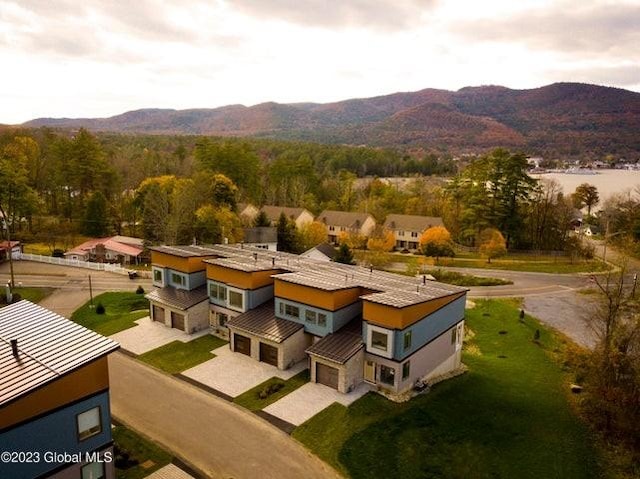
(211, 434)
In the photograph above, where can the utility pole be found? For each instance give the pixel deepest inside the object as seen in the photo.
(6, 224)
(90, 292)
(635, 282)
(606, 237)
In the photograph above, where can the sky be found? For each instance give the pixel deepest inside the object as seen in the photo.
(93, 58)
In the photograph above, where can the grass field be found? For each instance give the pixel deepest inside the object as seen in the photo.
(121, 310)
(35, 295)
(252, 401)
(461, 279)
(140, 450)
(177, 356)
(508, 417)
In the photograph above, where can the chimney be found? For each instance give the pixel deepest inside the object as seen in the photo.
(255, 257)
(14, 347)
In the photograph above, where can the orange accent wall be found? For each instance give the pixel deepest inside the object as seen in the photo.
(87, 380)
(241, 279)
(185, 265)
(400, 318)
(329, 300)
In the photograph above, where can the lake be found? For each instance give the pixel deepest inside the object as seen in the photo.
(608, 182)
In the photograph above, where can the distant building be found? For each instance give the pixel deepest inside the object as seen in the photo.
(5, 247)
(114, 249)
(407, 229)
(247, 213)
(54, 396)
(300, 216)
(321, 252)
(263, 237)
(346, 222)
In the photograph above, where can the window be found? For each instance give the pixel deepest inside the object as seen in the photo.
(218, 291)
(406, 370)
(177, 279)
(235, 299)
(387, 375)
(322, 319)
(407, 340)
(310, 316)
(222, 319)
(414, 234)
(157, 275)
(331, 228)
(89, 423)
(95, 470)
(291, 310)
(379, 340)
(400, 233)
(454, 335)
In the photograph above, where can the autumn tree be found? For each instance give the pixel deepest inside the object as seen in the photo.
(381, 240)
(436, 242)
(311, 234)
(492, 244)
(217, 224)
(586, 195)
(353, 239)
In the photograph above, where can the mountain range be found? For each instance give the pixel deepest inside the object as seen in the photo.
(569, 119)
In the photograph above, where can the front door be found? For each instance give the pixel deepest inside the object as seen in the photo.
(370, 371)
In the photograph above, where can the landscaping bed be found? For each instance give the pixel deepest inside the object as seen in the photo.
(270, 391)
(136, 457)
(177, 356)
(509, 416)
(121, 309)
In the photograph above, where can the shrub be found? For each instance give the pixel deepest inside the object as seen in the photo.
(100, 309)
(536, 335)
(16, 297)
(140, 290)
(269, 389)
(58, 253)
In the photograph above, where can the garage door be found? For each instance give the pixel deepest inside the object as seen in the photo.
(269, 354)
(177, 321)
(327, 375)
(158, 314)
(242, 344)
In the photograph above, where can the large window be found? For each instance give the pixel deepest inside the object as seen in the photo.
(236, 299)
(222, 319)
(291, 310)
(322, 319)
(454, 335)
(218, 291)
(387, 375)
(310, 316)
(178, 279)
(407, 340)
(406, 370)
(379, 340)
(95, 470)
(157, 275)
(89, 423)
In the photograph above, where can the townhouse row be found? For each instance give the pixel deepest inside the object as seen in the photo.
(407, 229)
(350, 324)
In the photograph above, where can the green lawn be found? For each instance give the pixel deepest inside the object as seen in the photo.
(138, 449)
(177, 356)
(252, 401)
(35, 295)
(121, 310)
(460, 279)
(508, 417)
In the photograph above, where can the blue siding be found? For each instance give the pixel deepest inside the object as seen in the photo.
(427, 329)
(56, 432)
(335, 319)
(258, 296)
(192, 280)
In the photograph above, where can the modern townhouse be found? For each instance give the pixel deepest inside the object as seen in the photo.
(346, 222)
(407, 229)
(54, 401)
(351, 324)
(300, 216)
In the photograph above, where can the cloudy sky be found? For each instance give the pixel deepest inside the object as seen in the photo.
(71, 58)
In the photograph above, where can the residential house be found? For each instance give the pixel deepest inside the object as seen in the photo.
(300, 216)
(321, 252)
(350, 324)
(407, 229)
(247, 213)
(263, 237)
(5, 247)
(346, 222)
(113, 249)
(54, 399)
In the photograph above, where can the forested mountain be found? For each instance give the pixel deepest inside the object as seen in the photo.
(559, 119)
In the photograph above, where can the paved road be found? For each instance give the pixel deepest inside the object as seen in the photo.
(213, 435)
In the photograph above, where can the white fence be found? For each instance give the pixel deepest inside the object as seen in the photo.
(112, 268)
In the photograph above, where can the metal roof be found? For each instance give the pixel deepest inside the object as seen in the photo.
(190, 251)
(179, 298)
(340, 346)
(262, 322)
(49, 346)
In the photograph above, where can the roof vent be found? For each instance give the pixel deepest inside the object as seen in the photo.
(14, 347)
(273, 261)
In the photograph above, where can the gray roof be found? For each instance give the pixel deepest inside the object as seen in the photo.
(261, 234)
(340, 346)
(190, 251)
(262, 322)
(49, 346)
(274, 212)
(179, 298)
(346, 219)
(324, 248)
(411, 222)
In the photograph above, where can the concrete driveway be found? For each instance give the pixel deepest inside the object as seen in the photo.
(308, 400)
(150, 335)
(234, 373)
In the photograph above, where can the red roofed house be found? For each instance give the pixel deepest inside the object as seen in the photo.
(114, 249)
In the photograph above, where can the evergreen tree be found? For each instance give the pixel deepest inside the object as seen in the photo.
(95, 221)
(286, 235)
(344, 254)
(261, 220)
